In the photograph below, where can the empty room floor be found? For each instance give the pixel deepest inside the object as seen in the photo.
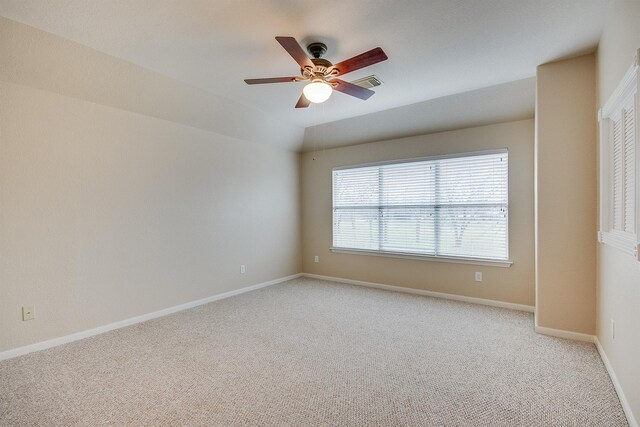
(310, 352)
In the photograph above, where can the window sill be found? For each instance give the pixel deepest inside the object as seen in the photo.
(622, 241)
(455, 260)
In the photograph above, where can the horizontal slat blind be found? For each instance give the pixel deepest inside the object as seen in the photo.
(456, 207)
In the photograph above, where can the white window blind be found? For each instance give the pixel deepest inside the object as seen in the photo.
(449, 207)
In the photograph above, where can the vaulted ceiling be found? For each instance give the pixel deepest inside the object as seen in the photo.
(435, 47)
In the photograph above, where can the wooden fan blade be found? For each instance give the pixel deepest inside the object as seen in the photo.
(293, 47)
(269, 80)
(351, 89)
(360, 61)
(303, 102)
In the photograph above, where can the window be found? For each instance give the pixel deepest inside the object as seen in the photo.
(449, 207)
(619, 150)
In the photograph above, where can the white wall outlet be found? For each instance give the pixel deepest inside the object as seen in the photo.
(243, 269)
(478, 276)
(316, 258)
(28, 312)
(613, 330)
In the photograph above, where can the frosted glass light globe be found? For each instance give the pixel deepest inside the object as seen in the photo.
(317, 92)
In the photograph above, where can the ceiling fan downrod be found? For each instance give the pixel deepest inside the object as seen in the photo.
(317, 49)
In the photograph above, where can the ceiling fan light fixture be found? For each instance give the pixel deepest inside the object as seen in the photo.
(317, 91)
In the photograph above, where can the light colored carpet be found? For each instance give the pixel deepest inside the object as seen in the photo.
(309, 352)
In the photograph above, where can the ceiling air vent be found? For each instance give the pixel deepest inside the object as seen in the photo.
(368, 82)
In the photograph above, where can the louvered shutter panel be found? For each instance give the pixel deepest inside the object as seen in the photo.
(617, 187)
(619, 168)
(629, 161)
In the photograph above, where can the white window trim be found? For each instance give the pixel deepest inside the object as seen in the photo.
(418, 159)
(627, 242)
(438, 258)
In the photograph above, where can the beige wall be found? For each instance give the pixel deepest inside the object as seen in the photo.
(514, 284)
(109, 211)
(566, 195)
(619, 274)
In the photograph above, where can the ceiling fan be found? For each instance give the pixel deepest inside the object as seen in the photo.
(321, 74)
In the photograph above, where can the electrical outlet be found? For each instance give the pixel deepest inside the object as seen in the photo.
(28, 313)
(613, 330)
(316, 258)
(478, 276)
(243, 269)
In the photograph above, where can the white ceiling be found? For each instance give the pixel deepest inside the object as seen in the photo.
(495, 104)
(435, 47)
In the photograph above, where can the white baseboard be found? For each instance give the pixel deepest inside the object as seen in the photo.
(15, 352)
(473, 300)
(559, 333)
(616, 385)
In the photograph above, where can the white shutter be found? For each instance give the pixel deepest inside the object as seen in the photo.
(451, 207)
(619, 169)
(629, 169)
(618, 187)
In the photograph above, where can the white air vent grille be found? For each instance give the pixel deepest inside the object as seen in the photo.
(368, 82)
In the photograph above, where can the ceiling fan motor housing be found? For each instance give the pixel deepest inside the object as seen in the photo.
(321, 65)
(320, 69)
